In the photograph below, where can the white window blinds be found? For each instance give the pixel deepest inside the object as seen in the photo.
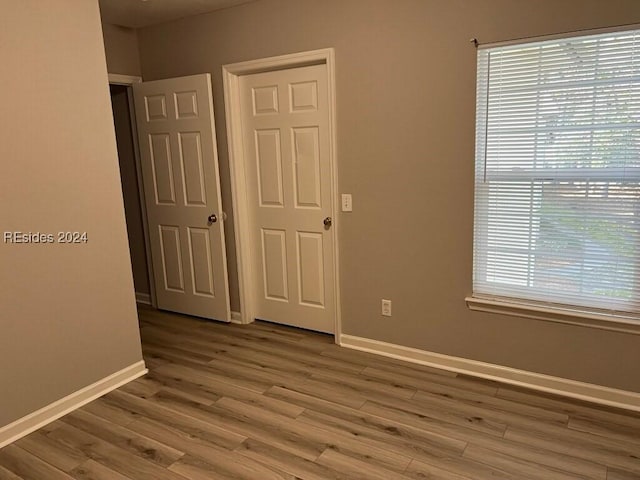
(557, 217)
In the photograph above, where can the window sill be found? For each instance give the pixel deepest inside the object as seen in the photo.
(571, 317)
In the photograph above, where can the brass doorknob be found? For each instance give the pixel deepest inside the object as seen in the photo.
(212, 218)
(327, 222)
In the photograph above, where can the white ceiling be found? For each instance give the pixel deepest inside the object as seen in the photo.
(142, 13)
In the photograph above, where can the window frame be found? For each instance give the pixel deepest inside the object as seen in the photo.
(540, 310)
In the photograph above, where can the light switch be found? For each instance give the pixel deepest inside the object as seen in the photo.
(347, 205)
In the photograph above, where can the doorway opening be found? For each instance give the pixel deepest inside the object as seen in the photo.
(130, 177)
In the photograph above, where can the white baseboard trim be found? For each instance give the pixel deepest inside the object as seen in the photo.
(536, 381)
(143, 298)
(29, 423)
(236, 317)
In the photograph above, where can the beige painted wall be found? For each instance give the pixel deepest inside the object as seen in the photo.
(68, 311)
(121, 47)
(406, 112)
(130, 190)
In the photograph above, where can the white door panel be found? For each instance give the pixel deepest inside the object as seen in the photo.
(285, 119)
(179, 160)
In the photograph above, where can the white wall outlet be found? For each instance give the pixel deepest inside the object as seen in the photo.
(386, 308)
(347, 203)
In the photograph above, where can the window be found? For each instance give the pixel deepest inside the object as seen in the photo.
(557, 213)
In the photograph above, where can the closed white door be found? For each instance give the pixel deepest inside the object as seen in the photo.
(285, 121)
(179, 159)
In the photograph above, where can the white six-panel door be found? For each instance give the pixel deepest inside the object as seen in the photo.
(285, 122)
(182, 195)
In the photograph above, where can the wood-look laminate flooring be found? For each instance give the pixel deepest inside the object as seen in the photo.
(266, 402)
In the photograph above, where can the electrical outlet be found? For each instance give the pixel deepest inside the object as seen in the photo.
(386, 308)
(347, 203)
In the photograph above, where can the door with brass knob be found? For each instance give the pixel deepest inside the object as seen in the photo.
(182, 187)
(285, 127)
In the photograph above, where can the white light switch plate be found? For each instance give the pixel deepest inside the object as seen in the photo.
(347, 203)
(386, 307)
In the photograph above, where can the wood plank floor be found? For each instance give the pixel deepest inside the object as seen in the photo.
(266, 402)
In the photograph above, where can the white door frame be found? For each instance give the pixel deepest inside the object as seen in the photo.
(128, 81)
(231, 76)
